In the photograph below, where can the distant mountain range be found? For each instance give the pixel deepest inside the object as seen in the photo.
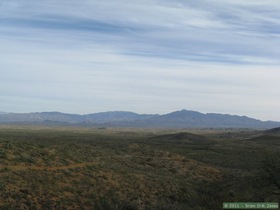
(177, 119)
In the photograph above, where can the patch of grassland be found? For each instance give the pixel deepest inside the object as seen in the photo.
(84, 168)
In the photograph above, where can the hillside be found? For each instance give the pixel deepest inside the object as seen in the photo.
(81, 168)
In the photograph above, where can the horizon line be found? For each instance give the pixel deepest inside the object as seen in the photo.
(205, 113)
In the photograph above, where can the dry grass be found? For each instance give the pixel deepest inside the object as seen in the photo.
(83, 168)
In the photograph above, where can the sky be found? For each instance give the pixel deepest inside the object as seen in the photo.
(145, 56)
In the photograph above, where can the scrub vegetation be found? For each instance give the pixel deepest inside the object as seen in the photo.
(105, 168)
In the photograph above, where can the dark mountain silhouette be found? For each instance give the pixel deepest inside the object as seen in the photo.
(271, 136)
(274, 131)
(177, 119)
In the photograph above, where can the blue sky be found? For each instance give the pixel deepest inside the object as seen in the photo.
(153, 56)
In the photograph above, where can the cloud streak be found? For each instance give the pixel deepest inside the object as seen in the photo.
(144, 56)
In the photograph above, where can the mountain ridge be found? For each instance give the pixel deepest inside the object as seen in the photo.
(177, 119)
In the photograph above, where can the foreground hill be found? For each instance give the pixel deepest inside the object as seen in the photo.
(122, 169)
(177, 119)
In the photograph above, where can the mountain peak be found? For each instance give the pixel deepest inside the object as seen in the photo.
(178, 119)
(183, 113)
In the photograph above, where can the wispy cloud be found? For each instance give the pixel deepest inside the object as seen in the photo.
(143, 56)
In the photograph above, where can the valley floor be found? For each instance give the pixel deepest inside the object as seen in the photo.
(90, 168)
